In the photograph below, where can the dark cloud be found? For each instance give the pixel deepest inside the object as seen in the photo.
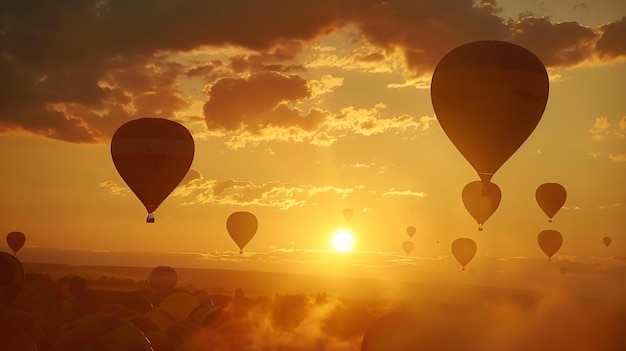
(612, 43)
(556, 44)
(254, 102)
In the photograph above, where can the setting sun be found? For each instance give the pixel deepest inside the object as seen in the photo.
(343, 241)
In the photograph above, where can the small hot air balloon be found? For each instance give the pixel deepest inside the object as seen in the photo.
(481, 200)
(563, 270)
(606, 241)
(488, 97)
(163, 279)
(550, 197)
(242, 226)
(152, 155)
(464, 250)
(411, 231)
(12, 278)
(408, 246)
(550, 242)
(347, 213)
(16, 240)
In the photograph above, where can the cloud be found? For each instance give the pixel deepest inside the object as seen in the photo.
(395, 192)
(94, 65)
(115, 189)
(618, 157)
(603, 128)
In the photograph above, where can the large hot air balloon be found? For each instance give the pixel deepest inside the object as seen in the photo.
(411, 231)
(152, 155)
(163, 278)
(606, 241)
(488, 97)
(16, 240)
(464, 250)
(550, 242)
(242, 226)
(408, 246)
(481, 200)
(11, 279)
(347, 213)
(550, 197)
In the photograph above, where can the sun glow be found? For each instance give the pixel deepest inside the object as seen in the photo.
(343, 241)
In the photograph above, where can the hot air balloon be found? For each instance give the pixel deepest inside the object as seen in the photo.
(241, 226)
(16, 240)
(408, 246)
(411, 231)
(481, 200)
(152, 155)
(11, 279)
(550, 197)
(347, 213)
(488, 97)
(563, 270)
(607, 241)
(464, 250)
(163, 278)
(550, 242)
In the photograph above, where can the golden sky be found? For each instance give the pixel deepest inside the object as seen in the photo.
(298, 110)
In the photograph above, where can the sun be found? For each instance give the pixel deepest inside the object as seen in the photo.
(343, 241)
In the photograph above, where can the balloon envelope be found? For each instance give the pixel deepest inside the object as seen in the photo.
(408, 246)
(550, 242)
(242, 226)
(411, 231)
(488, 97)
(152, 155)
(11, 279)
(163, 278)
(606, 241)
(563, 270)
(464, 250)
(16, 240)
(481, 200)
(347, 213)
(550, 197)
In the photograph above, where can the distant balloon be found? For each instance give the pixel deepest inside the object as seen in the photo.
(464, 250)
(550, 197)
(347, 213)
(12, 278)
(163, 278)
(152, 155)
(16, 240)
(488, 97)
(242, 226)
(408, 246)
(481, 200)
(607, 241)
(563, 270)
(411, 231)
(550, 242)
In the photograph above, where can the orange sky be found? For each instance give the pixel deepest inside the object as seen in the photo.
(299, 110)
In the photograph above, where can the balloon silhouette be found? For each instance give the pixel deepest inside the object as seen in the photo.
(488, 97)
(550, 242)
(606, 241)
(550, 197)
(411, 231)
(12, 278)
(16, 240)
(464, 250)
(152, 155)
(408, 246)
(163, 278)
(563, 270)
(481, 200)
(242, 226)
(347, 213)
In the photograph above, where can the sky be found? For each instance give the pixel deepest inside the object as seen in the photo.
(298, 110)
